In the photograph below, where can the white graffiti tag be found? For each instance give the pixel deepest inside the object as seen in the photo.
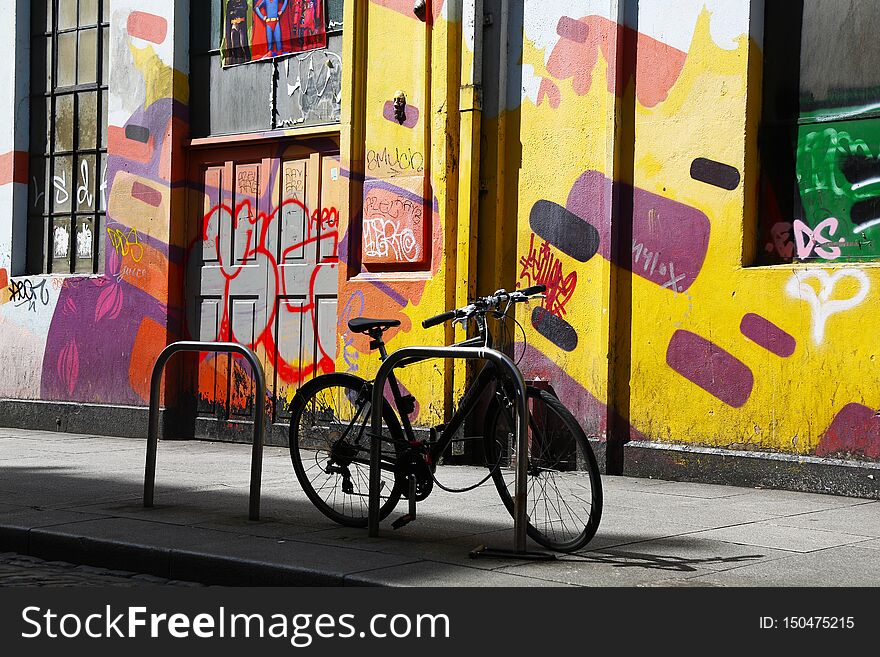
(384, 237)
(822, 305)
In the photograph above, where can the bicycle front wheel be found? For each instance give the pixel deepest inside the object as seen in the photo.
(564, 491)
(330, 448)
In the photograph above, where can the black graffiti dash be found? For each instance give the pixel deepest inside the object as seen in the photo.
(555, 329)
(715, 173)
(137, 133)
(565, 230)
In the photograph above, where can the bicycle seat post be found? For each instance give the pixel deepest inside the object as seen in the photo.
(376, 342)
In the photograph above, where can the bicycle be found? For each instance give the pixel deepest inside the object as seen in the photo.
(330, 441)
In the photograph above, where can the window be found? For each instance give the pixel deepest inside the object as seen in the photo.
(68, 141)
(820, 135)
(293, 91)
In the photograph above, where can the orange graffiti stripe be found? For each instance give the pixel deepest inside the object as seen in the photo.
(151, 273)
(658, 66)
(148, 27)
(150, 341)
(120, 145)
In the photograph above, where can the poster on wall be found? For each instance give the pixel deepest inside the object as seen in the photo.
(262, 29)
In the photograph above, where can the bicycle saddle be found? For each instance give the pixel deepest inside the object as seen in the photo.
(365, 324)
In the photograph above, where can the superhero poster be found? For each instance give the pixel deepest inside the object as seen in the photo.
(262, 29)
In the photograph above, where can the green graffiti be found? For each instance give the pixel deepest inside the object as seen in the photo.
(838, 176)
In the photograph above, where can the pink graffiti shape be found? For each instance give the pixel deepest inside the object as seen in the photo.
(148, 27)
(669, 239)
(68, 366)
(109, 303)
(809, 239)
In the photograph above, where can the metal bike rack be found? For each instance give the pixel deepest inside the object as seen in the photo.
(503, 362)
(259, 415)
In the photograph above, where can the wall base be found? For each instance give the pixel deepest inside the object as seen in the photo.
(809, 474)
(641, 459)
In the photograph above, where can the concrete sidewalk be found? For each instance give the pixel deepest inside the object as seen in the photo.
(79, 498)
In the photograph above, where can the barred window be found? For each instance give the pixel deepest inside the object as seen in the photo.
(820, 132)
(68, 139)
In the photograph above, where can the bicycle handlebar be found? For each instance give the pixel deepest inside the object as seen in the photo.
(438, 319)
(484, 303)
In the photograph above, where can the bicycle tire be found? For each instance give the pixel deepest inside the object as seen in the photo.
(560, 455)
(314, 440)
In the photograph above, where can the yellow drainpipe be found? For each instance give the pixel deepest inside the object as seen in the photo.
(470, 113)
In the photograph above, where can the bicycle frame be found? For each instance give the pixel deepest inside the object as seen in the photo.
(486, 375)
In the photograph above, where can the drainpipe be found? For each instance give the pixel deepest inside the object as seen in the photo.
(501, 137)
(470, 113)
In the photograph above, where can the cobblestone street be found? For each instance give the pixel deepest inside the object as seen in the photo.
(17, 570)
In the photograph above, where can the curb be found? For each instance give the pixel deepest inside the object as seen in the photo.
(167, 563)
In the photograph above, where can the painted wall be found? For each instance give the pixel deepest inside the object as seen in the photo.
(703, 349)
(635, 203)
(94, 338)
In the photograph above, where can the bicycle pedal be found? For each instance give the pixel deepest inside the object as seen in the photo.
(402, 520)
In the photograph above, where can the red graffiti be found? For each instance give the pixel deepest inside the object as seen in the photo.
(322, 227)
(542, 267)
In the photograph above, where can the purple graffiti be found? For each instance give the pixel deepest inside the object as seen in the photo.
(765, 333)
(669, 239)
(709, 366)
(854, 431)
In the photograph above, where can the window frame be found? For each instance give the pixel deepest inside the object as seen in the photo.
(45, 210)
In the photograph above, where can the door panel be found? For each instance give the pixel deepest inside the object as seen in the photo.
(262, 272)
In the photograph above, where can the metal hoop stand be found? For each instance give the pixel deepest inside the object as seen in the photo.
(259, 415)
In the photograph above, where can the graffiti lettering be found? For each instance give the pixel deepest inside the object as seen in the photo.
(384, 238)
(325, 218)
(247, 182)
(649, 261)
(354, 308)
(60, 184)
(780, 233)
(807, 239)
(126, 243)
(322, 227)
(401, 160)
(38, 195)
(60, 283)
(817, 156)
(27, 292)
(83, 195)
(397, 208)
(130, 272)
(294, 182)
(542, 267)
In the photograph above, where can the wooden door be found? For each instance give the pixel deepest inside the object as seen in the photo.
(261, 271)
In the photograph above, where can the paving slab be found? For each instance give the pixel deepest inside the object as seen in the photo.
(432, 573)
(862, 519)
(774, 536)
(841, 566)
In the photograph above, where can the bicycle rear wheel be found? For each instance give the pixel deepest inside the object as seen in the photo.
(564, 498)
(330, 448)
